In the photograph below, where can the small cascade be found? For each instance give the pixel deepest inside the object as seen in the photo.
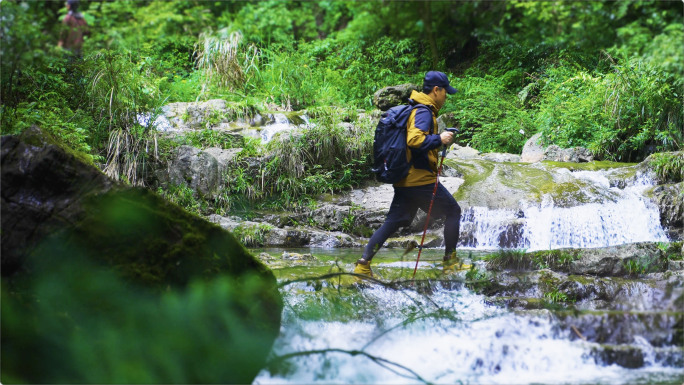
(483, 345)
(281, 124)
(613, 216)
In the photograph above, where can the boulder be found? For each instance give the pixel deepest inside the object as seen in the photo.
(40, 183)
(534, 151)
(460, 152)
(388, 97)
(223, 156)
(196, 169)
(574, 155)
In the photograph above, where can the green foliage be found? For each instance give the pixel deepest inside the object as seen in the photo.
(220, 60)
(616, 115)
(211, 138)
(520, 260)
(508, 259)
(184, 196)
(478, 279)
(556, 296)
(325, 157)
(491, 119)
(668, 166)
(604, 75)
(252, 235)
(121, 89)
(40, 86)
(644, 265)
(95, 328)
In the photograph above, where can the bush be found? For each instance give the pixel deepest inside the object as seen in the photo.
(621, 115)
(491, 118)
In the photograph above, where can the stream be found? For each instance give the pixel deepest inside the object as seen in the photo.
(437, 330)
(431, 332)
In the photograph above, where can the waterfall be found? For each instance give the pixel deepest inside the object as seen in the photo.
(281, 124)
(614, 216)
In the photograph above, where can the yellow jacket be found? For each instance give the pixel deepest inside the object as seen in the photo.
(423, 142)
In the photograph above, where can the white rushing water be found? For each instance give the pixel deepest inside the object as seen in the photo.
(280, 124)
(485, 345)
(625, 216)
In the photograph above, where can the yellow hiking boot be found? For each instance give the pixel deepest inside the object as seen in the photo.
(363, 268)
(452, 264)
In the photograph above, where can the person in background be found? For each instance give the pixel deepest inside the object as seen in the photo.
(74, 29)
(415, 190)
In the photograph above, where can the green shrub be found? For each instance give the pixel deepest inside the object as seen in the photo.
(668, 166)
(491, 118)
(617, 115)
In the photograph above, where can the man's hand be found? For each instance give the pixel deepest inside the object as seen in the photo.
(447, 137)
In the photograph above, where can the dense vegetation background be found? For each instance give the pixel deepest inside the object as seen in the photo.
(604, 75)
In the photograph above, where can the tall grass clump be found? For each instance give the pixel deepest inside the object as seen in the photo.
(326, 156)
(122, 91)
(220, 59)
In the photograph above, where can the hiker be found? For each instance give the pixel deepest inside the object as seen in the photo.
(416, 189)
(74, 28)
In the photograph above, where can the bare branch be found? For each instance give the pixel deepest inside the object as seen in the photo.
(389, 365)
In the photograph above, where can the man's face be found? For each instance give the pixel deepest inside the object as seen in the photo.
(440, 96)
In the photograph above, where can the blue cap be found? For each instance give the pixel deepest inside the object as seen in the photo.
(439, 79)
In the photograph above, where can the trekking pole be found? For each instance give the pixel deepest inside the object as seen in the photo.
(432, 201)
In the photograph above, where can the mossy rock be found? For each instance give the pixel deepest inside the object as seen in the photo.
(81, 253)
(499, 185)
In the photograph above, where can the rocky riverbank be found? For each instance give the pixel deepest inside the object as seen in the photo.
(518, 189)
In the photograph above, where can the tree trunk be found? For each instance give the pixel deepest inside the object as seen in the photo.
(427, 22)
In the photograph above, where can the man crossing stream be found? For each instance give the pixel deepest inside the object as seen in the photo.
(421, 187)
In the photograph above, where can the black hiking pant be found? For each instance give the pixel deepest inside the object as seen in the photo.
(405, 205)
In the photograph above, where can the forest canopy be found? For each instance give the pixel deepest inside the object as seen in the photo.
(604, 75)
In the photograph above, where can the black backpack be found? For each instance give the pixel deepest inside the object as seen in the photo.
(389, 146)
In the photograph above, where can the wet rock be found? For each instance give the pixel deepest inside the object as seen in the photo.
(332, 239)
(622, 260)
(501, 157)
(670, 201)
(631, 357)
(388, 97)
(288, 237)
(512, 235)
(331, 217)
(297, 257)
(655, 328)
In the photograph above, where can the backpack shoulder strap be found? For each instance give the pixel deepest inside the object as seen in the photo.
(432, 114)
